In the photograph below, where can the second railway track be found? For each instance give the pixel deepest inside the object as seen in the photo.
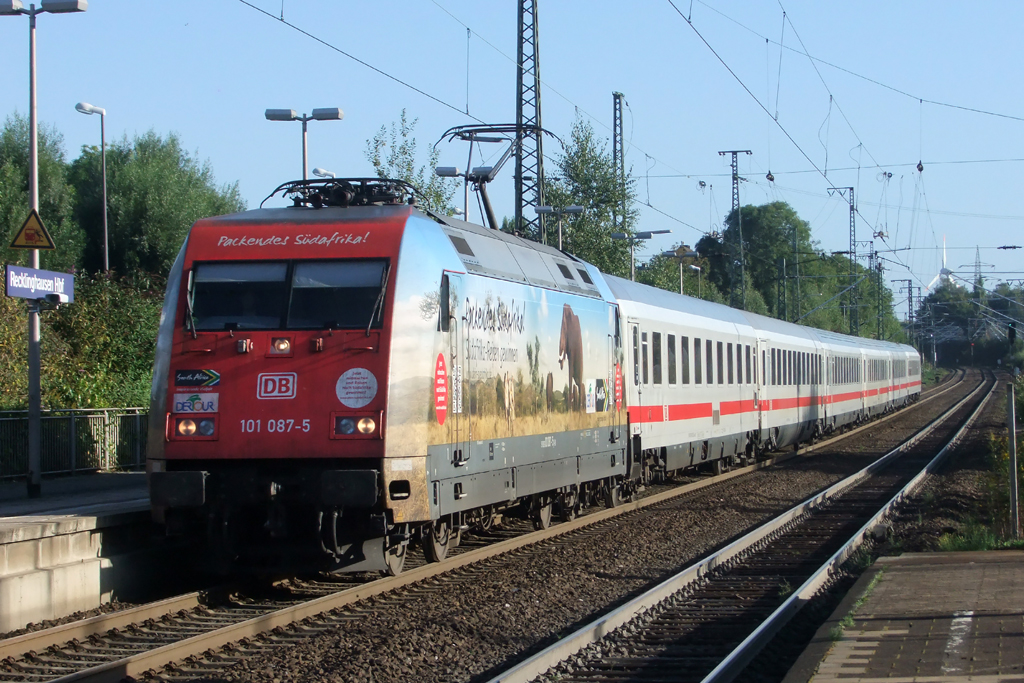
(708, 622)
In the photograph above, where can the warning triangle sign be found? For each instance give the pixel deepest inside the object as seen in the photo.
(33, 234)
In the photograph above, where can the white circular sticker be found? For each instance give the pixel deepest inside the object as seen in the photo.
(356, 387)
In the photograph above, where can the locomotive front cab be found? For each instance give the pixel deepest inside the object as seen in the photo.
(277, 386)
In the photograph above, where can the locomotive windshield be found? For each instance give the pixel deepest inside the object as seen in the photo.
(298, 295)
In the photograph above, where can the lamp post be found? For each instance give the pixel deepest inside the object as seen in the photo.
(87, 108)
(324, 114)
(34, 359)
(697, 268)
(323, 173)
(633, 239)
(681, 253)
(551, 210)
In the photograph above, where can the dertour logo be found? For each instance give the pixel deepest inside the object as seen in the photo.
(196, 403)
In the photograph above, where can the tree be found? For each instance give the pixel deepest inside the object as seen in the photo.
(392, 152)
(56, 196)
(789, 277)
(155, 192)
(663, 272)
(587, 177)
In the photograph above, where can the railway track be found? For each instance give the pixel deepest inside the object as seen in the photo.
(132, 642)
(709, 621)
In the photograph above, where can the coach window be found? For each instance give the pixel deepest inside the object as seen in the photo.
(721, 364)
(764, 369)
(710, 360)
(739, 364)
(728, 359)
(775, 375)
(242, 296)
(670, 347)
(643, 355)
(749, 378)
(697, 367)
(656, 356)
(684, 360)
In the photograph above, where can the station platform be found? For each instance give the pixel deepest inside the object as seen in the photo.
(925, 618)
(71, 548)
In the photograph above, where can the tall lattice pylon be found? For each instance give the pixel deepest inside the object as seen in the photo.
(979, 279)
(734, 251)
(530, 150)
(619, 161)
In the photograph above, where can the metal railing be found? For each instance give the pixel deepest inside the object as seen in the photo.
(76, 440)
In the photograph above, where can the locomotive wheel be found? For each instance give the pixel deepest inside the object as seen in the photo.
(437, 540)
(568, 506)
(540, 515)
(612, 496)
(395, 559)
(487, 521)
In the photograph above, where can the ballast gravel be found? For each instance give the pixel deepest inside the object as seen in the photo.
(506, 608)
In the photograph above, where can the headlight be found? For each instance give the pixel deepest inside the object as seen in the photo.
(366, 426)
(186, 427)
(206, 427)
(281, 345)
(345, 425)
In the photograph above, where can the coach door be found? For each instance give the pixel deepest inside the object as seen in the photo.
(615, 389)
(457, 342)
(761, 366)
(637, 355)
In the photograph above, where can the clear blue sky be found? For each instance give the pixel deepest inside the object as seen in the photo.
(207, 70)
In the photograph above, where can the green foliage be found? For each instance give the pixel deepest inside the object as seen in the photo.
(155, 192)
(392, 152)
(56, 196)
(777, 247)
(587, 177)
(97, 352)
(972, 536)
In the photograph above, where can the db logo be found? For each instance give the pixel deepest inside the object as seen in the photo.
(276, 385)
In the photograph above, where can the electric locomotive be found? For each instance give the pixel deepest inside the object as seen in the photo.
(346, 375)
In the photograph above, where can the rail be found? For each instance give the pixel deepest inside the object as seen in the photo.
(595, 631)
(75, 440)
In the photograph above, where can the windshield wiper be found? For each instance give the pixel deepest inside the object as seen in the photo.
(379, 303)
(191, 322)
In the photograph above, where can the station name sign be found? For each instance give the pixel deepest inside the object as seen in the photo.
(30, 283)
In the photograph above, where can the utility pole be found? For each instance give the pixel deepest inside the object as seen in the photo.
(619, 160)
(780, 289)
(735, 301)
(1011, 427)
(530, 149)
(847, 193)
(878, 290)
(908, 287)
(796, 265)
